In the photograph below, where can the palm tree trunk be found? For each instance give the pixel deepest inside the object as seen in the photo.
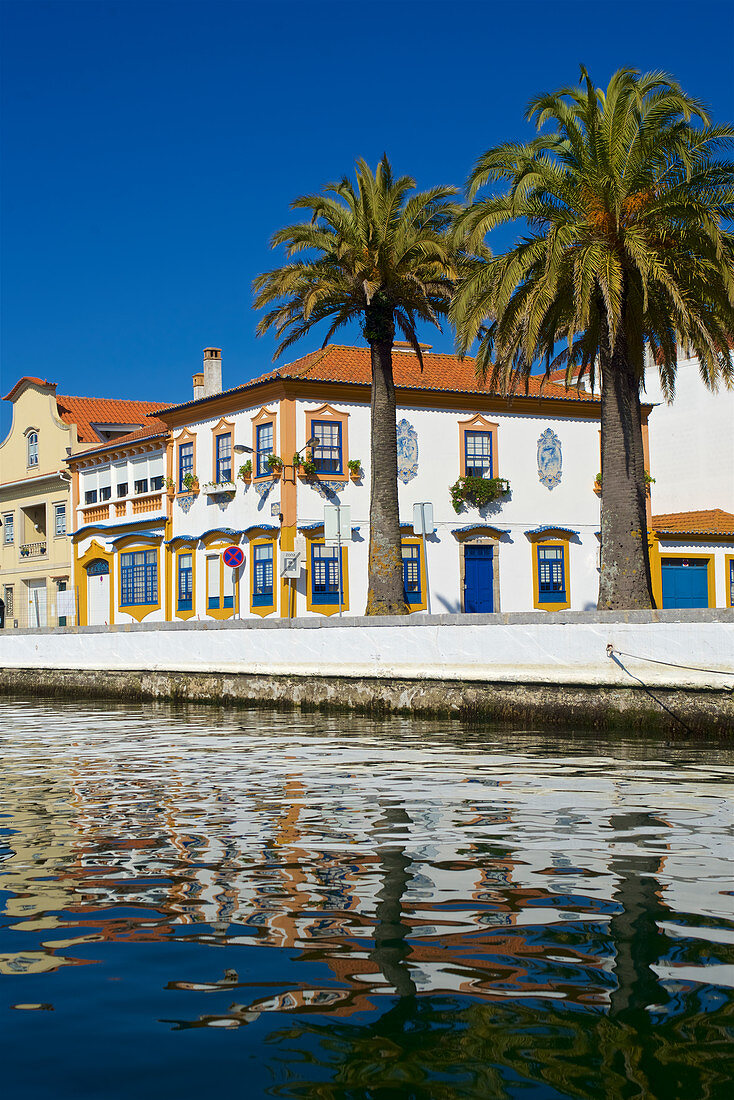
(385, 595)
(625, 581)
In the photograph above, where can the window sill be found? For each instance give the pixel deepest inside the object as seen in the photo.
(222, 487)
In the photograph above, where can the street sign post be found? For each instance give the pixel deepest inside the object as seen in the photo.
(423, 525)
(338, 528)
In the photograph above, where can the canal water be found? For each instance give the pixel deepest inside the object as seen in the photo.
(201, 902)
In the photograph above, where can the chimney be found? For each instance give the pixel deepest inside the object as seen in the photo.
(212, 371)
(198, 386)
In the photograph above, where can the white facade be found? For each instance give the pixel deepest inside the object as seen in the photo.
(691, 443)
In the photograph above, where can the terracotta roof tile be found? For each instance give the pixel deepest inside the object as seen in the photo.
(441, 373)
(712, 521)
(85, 411)
(21, 381)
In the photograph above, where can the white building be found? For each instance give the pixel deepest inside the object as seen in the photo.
(535, 547)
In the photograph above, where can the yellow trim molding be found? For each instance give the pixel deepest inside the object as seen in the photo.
(264, 609)
(191, 551)
(326, 608)
(422, 566)
(478, 423)
(92, 553)
(564, 544)
(710, 572)
(133, 545)
(327, 413)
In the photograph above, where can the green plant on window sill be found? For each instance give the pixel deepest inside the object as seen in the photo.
(274, 463)
(220, 486)
(190, 483)
(477, 491)
(305, 466)
(170, 484)
(648, 481)
(245, 471)
(355, 468)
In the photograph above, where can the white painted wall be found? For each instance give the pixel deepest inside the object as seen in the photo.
(691, 444)
(533, 649)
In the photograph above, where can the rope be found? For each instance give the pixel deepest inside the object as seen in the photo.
(611, 650)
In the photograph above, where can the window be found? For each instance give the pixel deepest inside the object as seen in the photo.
(551, 575)
(212, 582)
(61, 587)
(224, 458)
(185, 464)
(230, 580)
(59, 519)
(327, 453)
(324, 574)
(122, 489)
(139, 578)
(105, 492)
(731, 582)
(8, 601)
(142, 485)
(412, 573)
(264, 447)
(32, 448)
(8, 529)
(262, 590)
(156, 483)
(478, 454)
(90, 497)
(185, 582)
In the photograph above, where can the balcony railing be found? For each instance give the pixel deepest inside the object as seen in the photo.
(147, 504)
(96, 513)
(33, 549)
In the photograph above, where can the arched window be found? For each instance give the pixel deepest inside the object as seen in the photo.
(32, 448)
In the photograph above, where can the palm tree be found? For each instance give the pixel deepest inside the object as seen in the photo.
(624, 201)
(377, 253)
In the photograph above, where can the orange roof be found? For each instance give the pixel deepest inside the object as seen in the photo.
(86, 411)
(712, 521)
(441, 373)
(22, 381)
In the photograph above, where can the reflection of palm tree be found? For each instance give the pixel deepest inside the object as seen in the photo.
(391, 932)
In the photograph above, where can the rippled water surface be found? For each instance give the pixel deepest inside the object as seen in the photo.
(198, 903)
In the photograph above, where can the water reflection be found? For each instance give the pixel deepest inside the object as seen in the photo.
(402, 909)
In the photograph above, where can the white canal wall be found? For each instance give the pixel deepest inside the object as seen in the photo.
(664, 649)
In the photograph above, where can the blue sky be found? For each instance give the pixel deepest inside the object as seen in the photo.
(151, 149)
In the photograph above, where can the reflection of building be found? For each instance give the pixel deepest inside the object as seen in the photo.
(35, 499)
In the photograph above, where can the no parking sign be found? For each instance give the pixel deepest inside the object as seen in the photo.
(233, 557)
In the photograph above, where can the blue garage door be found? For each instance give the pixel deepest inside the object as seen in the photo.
(478, 579)
(685, 582)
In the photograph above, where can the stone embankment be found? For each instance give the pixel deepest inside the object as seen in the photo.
(669, 670)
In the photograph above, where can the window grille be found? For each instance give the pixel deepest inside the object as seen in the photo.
(324, 574)
(551, 575)
(412, 573)
(8, 601)
(264, 448)
(185, 463)
(185, 582)
(139, 578)
(224, 458)
(327, 454)
(478, 454)
(262, 593)
(33, 448)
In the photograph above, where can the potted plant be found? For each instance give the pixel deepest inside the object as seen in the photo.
(305, 467)
(190, 482)
(355, 469)
(170, 485)
(477, 491)
(245, 472)
(648, 482)
(274, 463)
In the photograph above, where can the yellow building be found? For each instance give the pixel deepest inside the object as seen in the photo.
(35, 494)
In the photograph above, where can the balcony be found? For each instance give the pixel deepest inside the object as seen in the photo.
(32, 550)
(96, 513)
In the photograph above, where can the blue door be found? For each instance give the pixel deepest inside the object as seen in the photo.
(478, 579)
(685, 582)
